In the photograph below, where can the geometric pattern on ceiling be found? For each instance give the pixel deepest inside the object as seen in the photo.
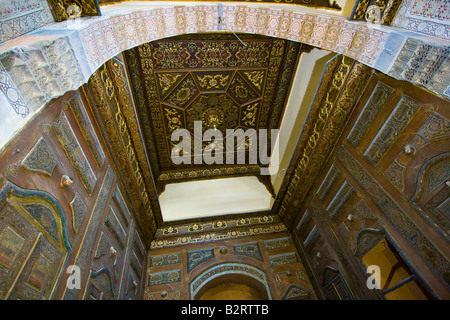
(338, 89)
(212, 78)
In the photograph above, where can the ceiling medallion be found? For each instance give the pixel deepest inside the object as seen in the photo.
(212, 118)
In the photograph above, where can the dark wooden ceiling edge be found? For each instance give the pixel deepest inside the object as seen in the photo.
(123, 90)
(94, 91)
(217, 228)
(218, 236)
(140, 99)
(161, 184)
(352, 78)
(325, 83)
(138, 154)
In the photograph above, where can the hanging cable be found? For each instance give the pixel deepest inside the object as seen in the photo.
(239, 39)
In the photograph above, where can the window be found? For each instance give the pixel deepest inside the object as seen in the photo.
(397, 280)
(334, 286)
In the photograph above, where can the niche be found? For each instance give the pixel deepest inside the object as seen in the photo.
(233, 287)
(398, 280)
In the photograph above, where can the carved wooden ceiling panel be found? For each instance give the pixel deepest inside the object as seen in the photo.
(212, 78)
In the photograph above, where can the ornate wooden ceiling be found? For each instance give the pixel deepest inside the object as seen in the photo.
(212, 78)
(129, 101)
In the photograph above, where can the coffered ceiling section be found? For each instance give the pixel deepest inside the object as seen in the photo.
(216, 80)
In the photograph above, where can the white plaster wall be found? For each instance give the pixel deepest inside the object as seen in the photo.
(206, 198)
(305, 83)
(10, 121)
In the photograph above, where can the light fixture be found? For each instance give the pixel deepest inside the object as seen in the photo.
(212, 118)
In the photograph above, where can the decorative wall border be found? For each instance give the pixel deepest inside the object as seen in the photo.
(406, 19)
(168, 242)
(217, 225)
(12, 94)
(95, 40)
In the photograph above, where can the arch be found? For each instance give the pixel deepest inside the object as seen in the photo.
(433, 175)
(46, 222)
(102, 281)
(426, 171)
(58, 228)
(105, 37)
(332, 280)
(296, 292)
(231, 271)
(83, 45)
(360, 247)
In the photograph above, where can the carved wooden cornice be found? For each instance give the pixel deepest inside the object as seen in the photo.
(376, 11)
(216, 230)
(342, 83)
(108, 111)
(70, 9)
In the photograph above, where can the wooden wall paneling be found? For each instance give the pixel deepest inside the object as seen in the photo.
(398, 171)
(290, 275)
(17, 240)
(353, 218)
(397, 176)
(332, 191)
(139, 262)
(396, 226)
(62, 141)
(120, 227)
(347, 265)
(318, 290)
(63, 129)
(131, 288)
(306, 238)
(110, 255)
(36, 165)
(304, 226)
(394, 145)
(163, 276)
(80, 112)
(91, 235)
(320, 258)
(173, 269)
(33, 243)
